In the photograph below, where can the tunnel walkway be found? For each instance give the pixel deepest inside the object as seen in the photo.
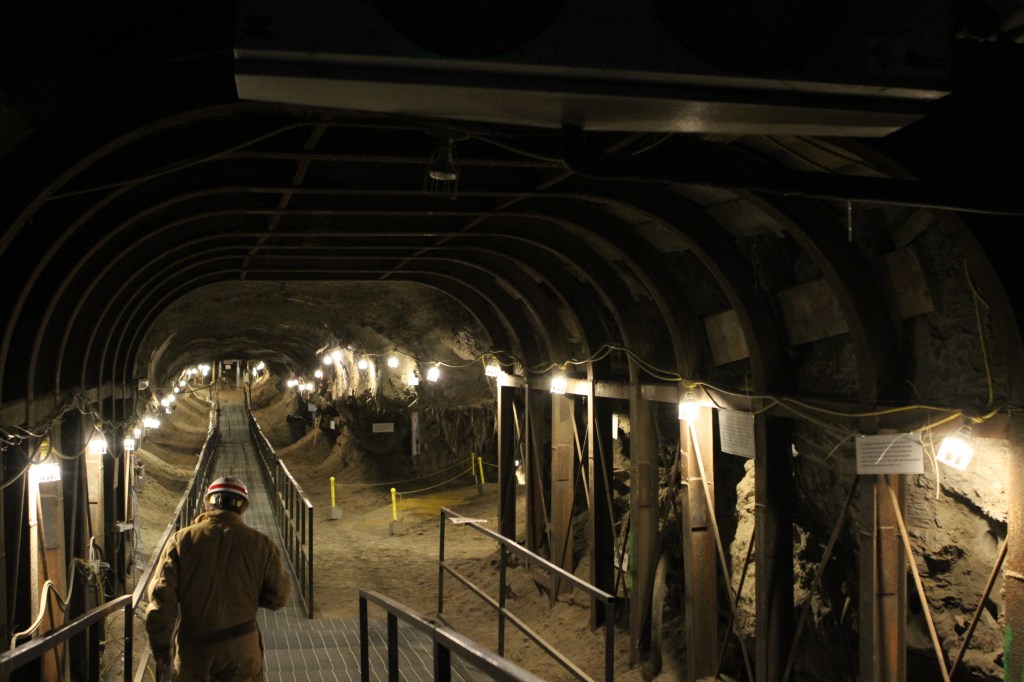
(297, 647)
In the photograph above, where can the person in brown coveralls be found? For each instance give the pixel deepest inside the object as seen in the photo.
(211, 578)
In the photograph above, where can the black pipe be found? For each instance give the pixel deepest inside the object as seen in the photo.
(777, 180)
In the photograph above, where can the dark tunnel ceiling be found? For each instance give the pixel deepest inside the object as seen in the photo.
(136, 177)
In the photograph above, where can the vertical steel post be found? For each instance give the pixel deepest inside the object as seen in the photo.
(773, 580)
(364, 641)
(392, 647)
(502, 565)
(440, 565)
(536, 516)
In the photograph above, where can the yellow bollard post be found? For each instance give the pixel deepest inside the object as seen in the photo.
(480, 461)
(480, 478)
(396, 526)
(335, 512)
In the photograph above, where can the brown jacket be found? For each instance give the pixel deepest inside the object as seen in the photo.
(216, 573)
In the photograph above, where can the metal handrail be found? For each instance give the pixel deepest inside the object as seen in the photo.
(446, 642)
(292, 510)
(507, 546)
(183, 514)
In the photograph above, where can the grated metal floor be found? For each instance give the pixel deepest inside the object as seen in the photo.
(320, 649)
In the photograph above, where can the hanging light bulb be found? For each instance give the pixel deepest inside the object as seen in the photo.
(308, 387)
(956, 449)
(362, 364)
(129, 445)
(97, 444)
(292, 383)
(493, 369)
(319, 374)
(336, 355)
(559, 383)
(171, 398)
(689, 408)
(393, 361)
(328, 360)
(151, 423)
(165, 402)
(434, 373)
(137, 432)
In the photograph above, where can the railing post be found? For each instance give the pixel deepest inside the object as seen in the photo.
(609, 640)
(364, 642)
(392, 647)
(501, 599)
(440, 565)
(129, 627)
(309, 553)
(442, 663)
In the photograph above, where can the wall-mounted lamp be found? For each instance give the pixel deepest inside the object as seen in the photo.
(151, 422)
(393, 361)
(362, 364)
(44, 473)
(493, 369)
(434, 373)
(319, 374)
(129, 445)
(559, 383)
(689, 408)
(97, 444)
(957, 449)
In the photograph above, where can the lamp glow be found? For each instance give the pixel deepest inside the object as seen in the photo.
(151, 423)
(261, 366)
(434, 373)
(328, 360)
(308, 387)
(362, 364)
(493, 369)
(171, 398)
(956, 450)
(129, 445)
(559, 383)
(319, 374)
(45, 472)
(205, 369)
(393, 361)
(97, 444)
(292, 383)
(412, 379)
(137, 432)
(689, 408)
(336, 355)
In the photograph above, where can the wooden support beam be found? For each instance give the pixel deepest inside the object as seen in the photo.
(507, 482)
(699, 572)
(536, 515)
(563, 468)
(1013, 573)
(773, 580)
(883, 589)
(602, 522)
(643, 504)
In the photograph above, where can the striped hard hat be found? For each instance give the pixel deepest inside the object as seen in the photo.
(227, 492)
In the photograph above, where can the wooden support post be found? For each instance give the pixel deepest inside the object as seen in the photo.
(773, 580)
(507, 483)
(602, 524)
(883, 589)
(563, 466)
(1013, 580)
(536, 515)
(643, 503)
(699, 573)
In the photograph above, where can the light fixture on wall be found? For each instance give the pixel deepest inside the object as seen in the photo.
(492, 369)
(363, 364)
(319, 374)
(129, 445)
(957, 448)
(441, 177)
(393, 361)
(97, 444)
(434, 373)
(689, 408)
(559, 383)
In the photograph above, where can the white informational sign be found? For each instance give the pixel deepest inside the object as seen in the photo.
(384, 427)
(736, 432)
(897, 453)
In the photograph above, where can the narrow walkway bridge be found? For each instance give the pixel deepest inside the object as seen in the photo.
(296, 647)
